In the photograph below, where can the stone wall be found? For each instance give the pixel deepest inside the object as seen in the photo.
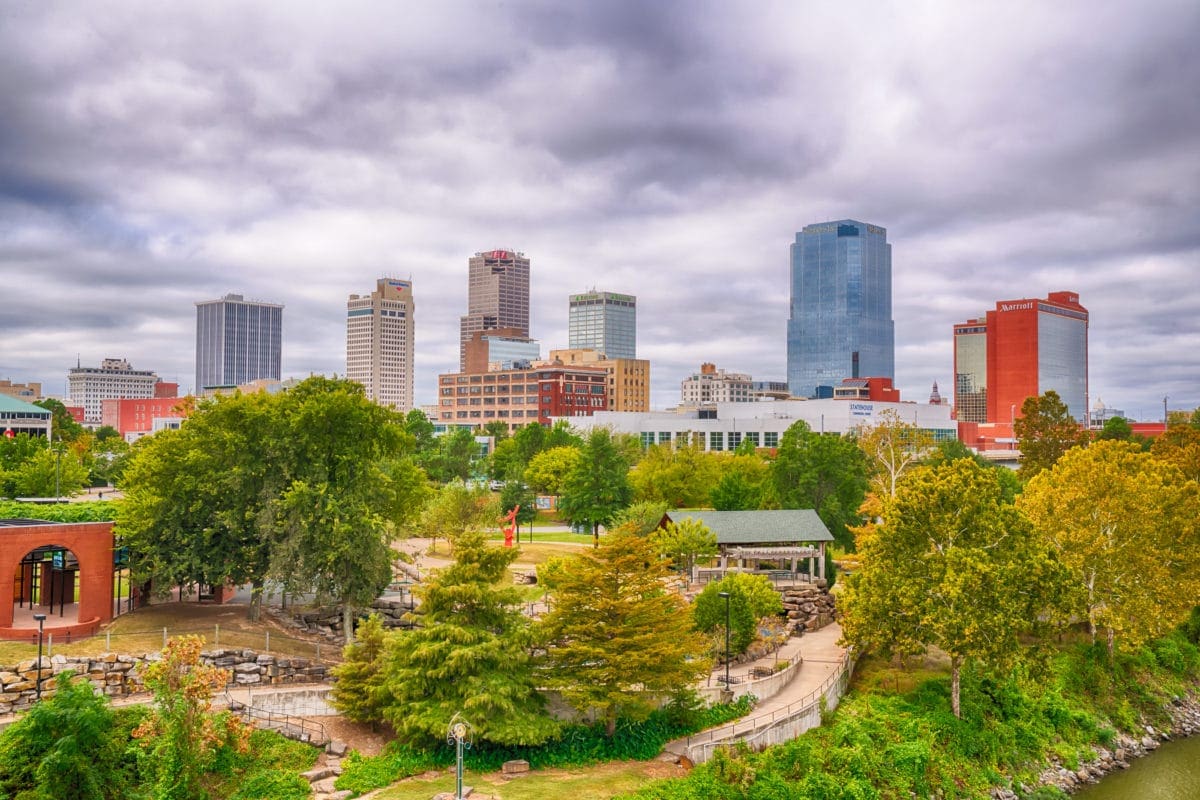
(118, 675)
(327, 622)
(808, 607)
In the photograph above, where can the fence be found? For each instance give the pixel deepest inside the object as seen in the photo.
(153, 639)
(289, 725)
(805, 713)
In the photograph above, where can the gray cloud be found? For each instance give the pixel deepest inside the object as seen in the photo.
(152, 156)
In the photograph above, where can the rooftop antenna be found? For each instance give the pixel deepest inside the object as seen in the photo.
(1165, 410)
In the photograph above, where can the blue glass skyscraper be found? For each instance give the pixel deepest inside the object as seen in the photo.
(841, 312)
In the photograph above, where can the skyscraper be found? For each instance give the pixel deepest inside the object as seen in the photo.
(841, 309)
(1022, 349)
(237, 341)
(379, 342)
(497, 296)
(604, 322)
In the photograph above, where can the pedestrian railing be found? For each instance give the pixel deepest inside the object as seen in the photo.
(289, 725)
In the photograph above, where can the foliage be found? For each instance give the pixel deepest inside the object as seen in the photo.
(358, 691)
(824, 472)
(684, 542)
(469, 654)
(892, 447)
(952, 450)
(455, 509)
(55, 471)
(71, 744)
(578, 745)
(93, 511)
(617, 641)
(1123, 523)
(453, 456)
(676, 476)
(64, 426)
(181, 736)
(1180, 445)
(640, 518)
(742, 483)
(1045, 431)
(751, 598)
(1117, 428)
(550, 572)
(549, 469)
(598, 487)
(517, 494)
(974, 577)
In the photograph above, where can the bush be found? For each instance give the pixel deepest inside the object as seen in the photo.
(274, 785)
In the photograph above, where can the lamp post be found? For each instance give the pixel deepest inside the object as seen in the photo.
(41, 621)
(726, 596)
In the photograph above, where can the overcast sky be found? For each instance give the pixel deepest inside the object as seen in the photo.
(156, 154)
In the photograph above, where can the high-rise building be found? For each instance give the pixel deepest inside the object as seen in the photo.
(711, 385)
(1022, 349)
(628, 378)
(501, 348)
(379, 342)
(604, 322)
(89, 387)
(237, 341)
(841, 308)
(520, 396)
(497, 296)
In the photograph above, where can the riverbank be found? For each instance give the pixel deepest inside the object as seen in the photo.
(1184, 714)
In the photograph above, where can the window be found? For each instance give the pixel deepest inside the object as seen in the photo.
(716, 440)
(771, 439)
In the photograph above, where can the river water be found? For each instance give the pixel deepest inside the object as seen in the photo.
(1172, 772)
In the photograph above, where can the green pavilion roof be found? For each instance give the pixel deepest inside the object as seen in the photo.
(774, 526)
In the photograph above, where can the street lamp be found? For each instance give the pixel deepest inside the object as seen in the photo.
(726, 596)
(41, 621)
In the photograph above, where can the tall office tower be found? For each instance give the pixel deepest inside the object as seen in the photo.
(237, 341)
(89, 387)
(604, 322)
(497, 296)
(379, 342)
(1022, 349)
(841, 311)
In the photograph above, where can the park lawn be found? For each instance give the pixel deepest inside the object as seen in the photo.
(547, 536)
(541, 552)
(599, 782)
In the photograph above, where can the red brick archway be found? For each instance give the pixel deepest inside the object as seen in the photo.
(92, 544)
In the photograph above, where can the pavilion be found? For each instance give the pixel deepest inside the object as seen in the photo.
(782, 536)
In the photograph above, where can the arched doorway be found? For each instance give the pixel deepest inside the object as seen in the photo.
(46, 582)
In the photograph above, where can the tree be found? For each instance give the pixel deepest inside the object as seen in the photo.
(1116, 428)
(63, 426)
(418, 426)
(549, 469)
(358, 692)
(741, 485)
(684, 542)
(617, 640)
(892, 446)
(181, 735)
(680, 477)
(1045, 430)
(497, 429)
(55, 471)
(456, 509)
(751, 598)
(824, 472)
(1123, 523)
(453, 456)
(598, 486)
(470, 654)
(1180, 445)
(71, 744)
(640, 518)
(951, 566)
(517, 494)
(945, 452)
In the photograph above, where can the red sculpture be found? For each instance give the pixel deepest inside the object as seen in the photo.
(511, 518)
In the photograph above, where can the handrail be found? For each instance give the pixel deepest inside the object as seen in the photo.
(753, 724)
(271, 717)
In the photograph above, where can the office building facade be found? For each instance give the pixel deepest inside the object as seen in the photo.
(89, 387)
(237, 341)
(380, 330)
(497, 296)
(628, 378)
(1021, 349)
(500, 349)
(711, 385)
(841, 307)
(520, 396)
(605, 322)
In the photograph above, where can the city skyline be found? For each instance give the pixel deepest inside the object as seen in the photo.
(156, 156)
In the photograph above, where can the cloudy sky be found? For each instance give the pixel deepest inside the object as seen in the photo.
(155, 154)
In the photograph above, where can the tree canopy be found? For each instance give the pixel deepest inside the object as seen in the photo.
(598, 487)
(892, 446)
(1045, 431)
(824, 472)
(680, 476)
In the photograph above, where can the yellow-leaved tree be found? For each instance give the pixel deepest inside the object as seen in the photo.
(1124, 525)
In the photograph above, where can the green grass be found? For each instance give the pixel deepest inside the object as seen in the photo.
(596, 783)
(548, 537)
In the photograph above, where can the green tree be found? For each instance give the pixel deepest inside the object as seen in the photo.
(71, 744)
(418, 426)
(751, 598)
(56, 471)
(1123, 523)
(63, 426)
(1117, 428)
(824, 472)
(974, 577)
(453, 457)
(951, 450)
(470, 654)
(617, 640)
(680, 477)
(497, 429)
(1180, 445)
(517, 494)
(358, 691)
(14, 453)
(548, 470)
(455, 509)
(640, 518)
(598, 487)
(182, 735)
(684, 542)
(741, 486)
(1045, 430)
